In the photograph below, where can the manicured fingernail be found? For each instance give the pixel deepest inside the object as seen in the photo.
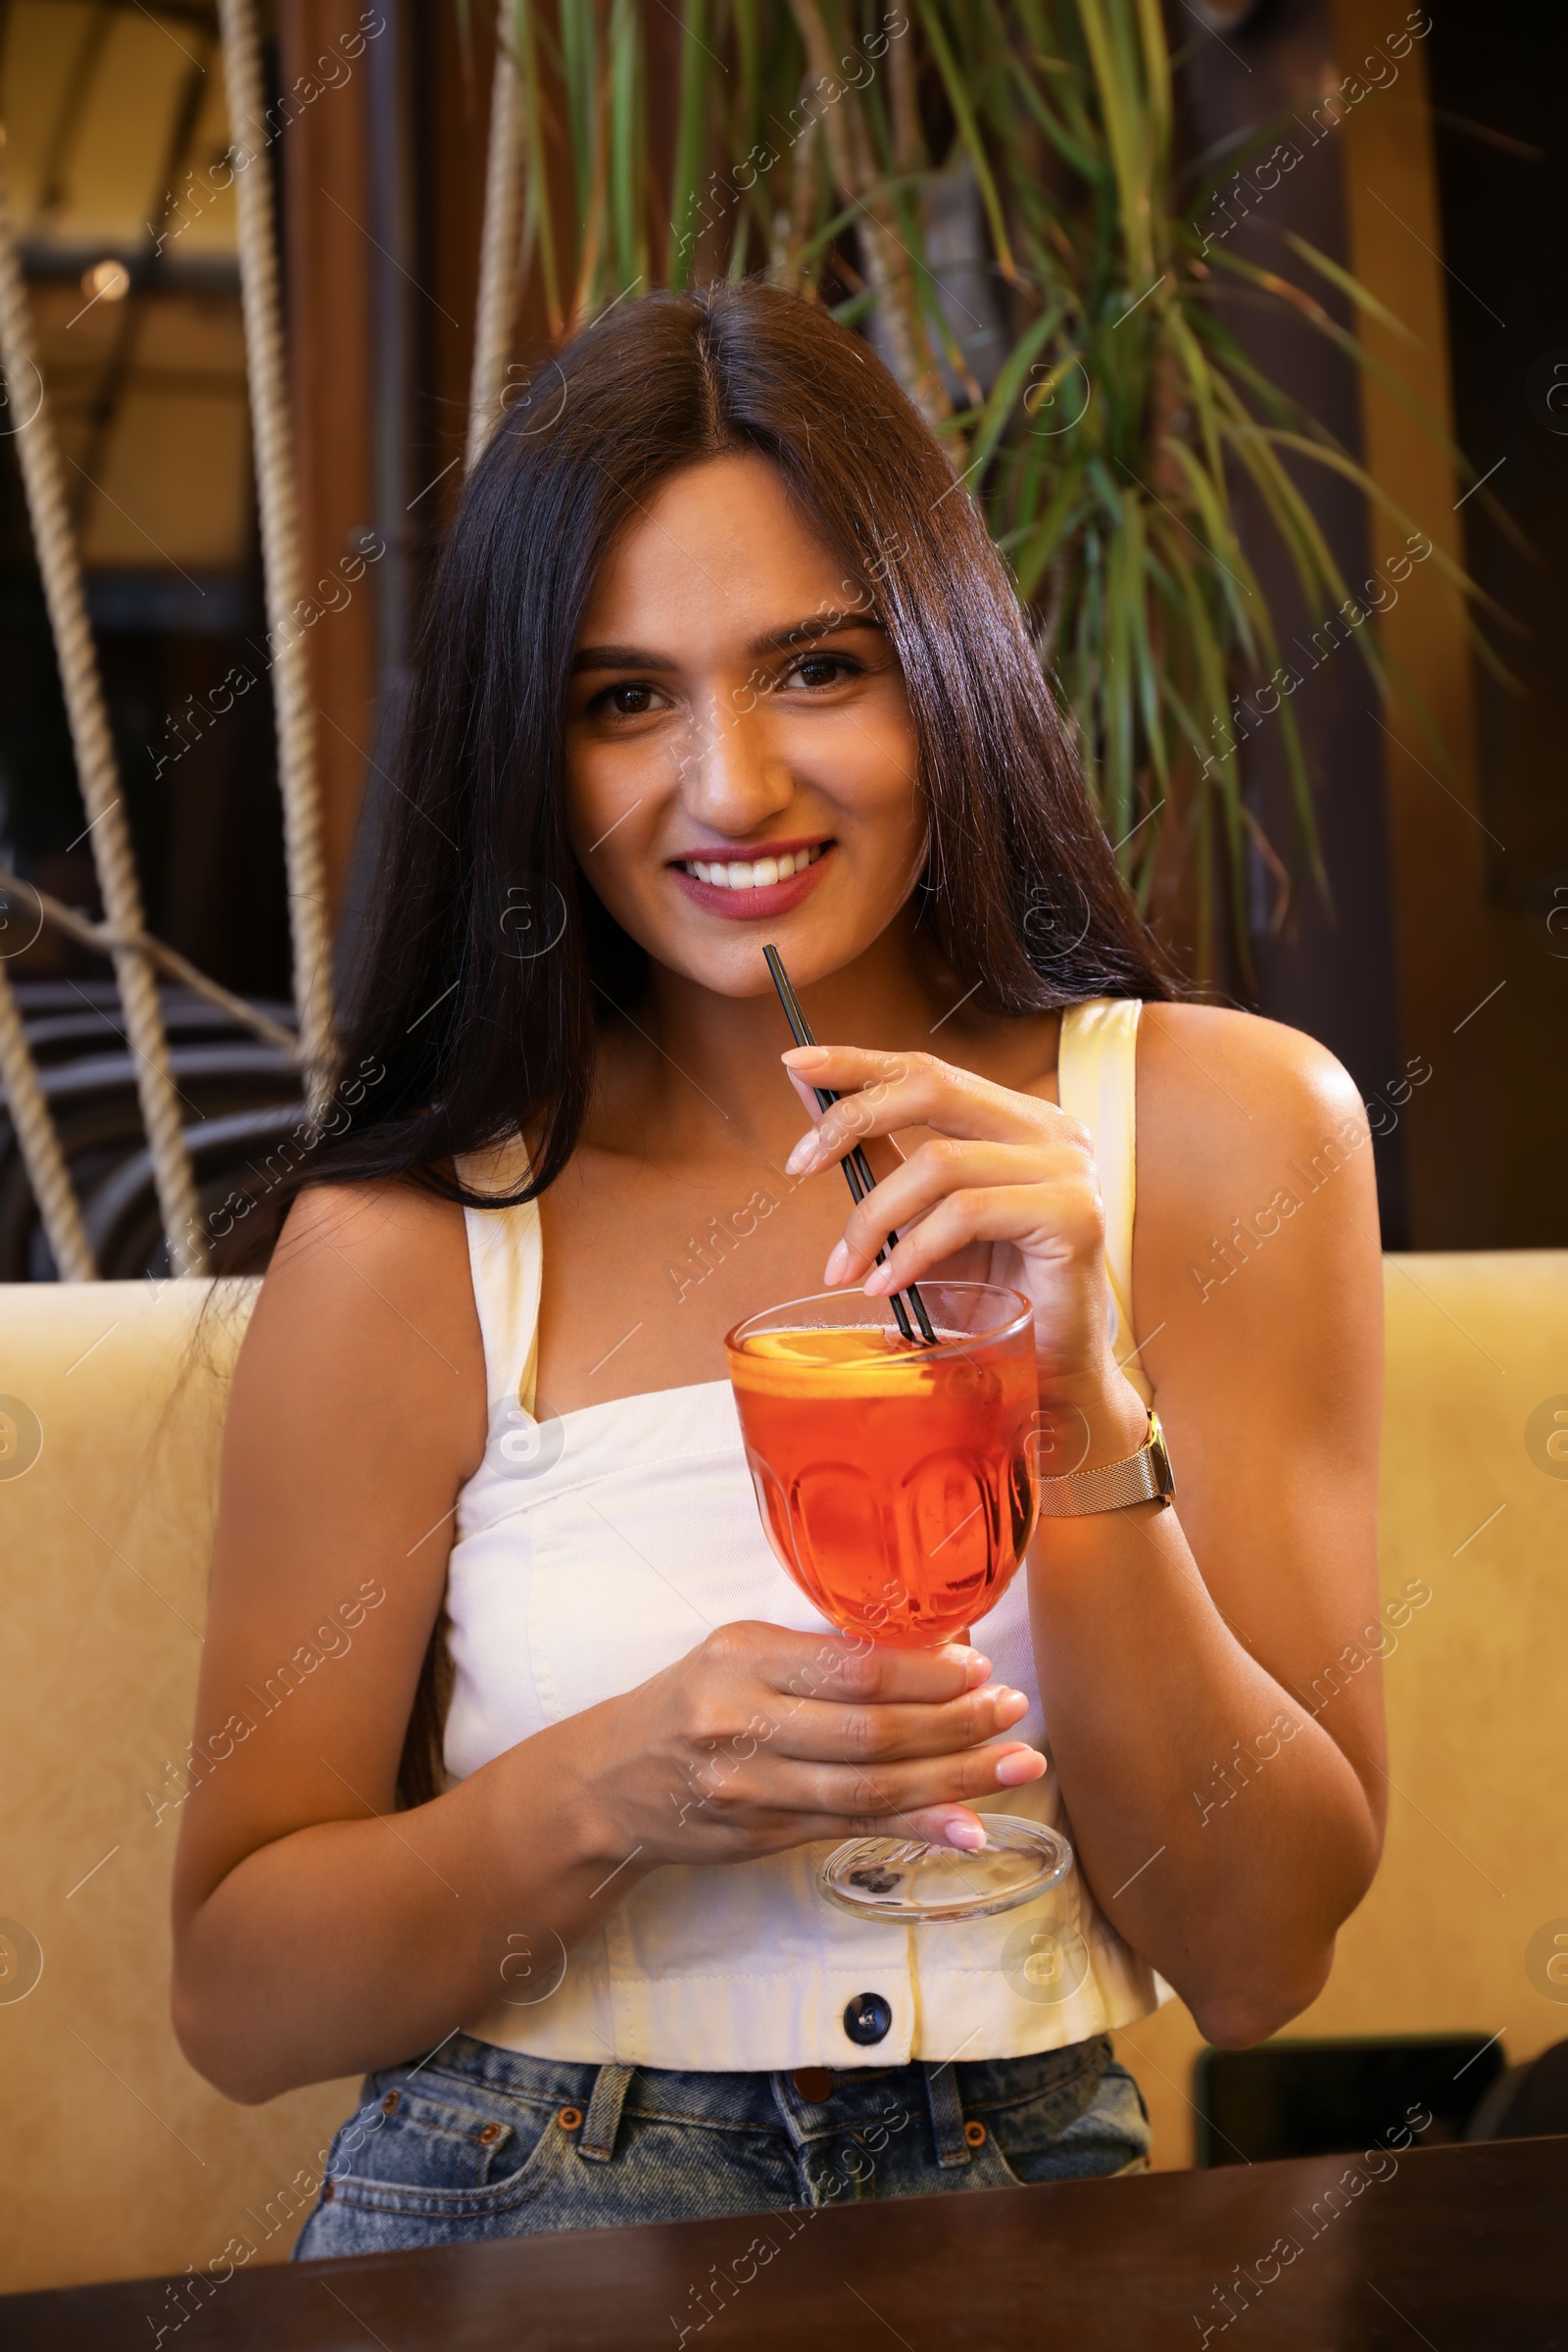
(879, 1282)
(1011, 1704)
(979, 1670)
(802, 1155)
(805, 1058)
(1020, 1764)
(838, 1265)
(968, 1834)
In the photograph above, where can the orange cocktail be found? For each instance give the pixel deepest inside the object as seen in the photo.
(894, 1478)
(895, 1483)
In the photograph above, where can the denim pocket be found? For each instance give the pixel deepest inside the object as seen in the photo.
(445, 2147)
(1086, 2127)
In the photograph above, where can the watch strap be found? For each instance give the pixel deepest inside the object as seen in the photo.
(1141, 1477)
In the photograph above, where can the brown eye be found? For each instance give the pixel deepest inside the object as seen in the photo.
(823, 669)
(628, 701)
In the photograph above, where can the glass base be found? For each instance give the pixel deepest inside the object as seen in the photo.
(900, 1877)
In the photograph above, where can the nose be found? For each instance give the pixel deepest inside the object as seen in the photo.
(732, 777)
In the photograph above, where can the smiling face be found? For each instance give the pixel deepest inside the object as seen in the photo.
(741, 761)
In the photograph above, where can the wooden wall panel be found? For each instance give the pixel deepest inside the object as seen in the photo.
(1436, 837)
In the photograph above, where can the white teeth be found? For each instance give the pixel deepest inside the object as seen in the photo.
(759, 874)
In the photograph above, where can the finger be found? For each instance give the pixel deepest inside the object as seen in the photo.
(881, 1092)
(926, 1177)
(844, 1066)
(816, 1731)
(876, 1790)
(773, 1824)
(837, 1666)
(1018, 1213)
(944, 1825)
(934, 1825)
(807, 1094)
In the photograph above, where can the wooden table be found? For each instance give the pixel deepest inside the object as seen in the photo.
(1462, 2249)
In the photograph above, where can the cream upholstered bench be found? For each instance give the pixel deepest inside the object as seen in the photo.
(112, 1398)
(118, 1388)
(1456, 1931)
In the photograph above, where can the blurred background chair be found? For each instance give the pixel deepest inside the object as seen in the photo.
(239, 1098)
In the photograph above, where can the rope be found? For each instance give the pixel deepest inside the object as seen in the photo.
(280, 545)
(102, 938)
(61, 570)
(498, 250)
(39, 1138)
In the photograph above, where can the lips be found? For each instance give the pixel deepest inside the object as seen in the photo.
(740, 896)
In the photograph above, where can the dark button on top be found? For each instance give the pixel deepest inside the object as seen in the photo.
(813, 2084)
(867, 2018)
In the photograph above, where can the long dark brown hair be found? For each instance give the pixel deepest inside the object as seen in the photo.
(490, 963)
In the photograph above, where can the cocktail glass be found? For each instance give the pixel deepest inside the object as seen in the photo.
(897, 1485)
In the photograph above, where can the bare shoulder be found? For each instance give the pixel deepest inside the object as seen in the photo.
(369, 1300)
(391, 1228)
(1214, 1084)
(1254, 1160)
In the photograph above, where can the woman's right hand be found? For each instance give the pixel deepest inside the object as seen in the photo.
(762, 1739)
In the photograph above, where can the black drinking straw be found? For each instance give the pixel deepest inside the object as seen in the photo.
(857, 1167)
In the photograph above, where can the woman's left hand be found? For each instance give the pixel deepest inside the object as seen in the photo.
(1002, 1169)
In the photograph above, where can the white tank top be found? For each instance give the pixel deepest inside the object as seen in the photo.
(595, 1550)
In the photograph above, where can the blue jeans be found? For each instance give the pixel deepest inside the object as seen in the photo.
(479, 2142)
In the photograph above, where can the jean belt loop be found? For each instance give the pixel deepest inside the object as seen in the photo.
(946, 2114)
(602, 2120)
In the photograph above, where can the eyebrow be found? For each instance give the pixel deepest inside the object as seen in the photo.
(806, 632)
(799, 632)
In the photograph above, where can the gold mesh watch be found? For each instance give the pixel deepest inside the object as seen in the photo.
(1142, 1477)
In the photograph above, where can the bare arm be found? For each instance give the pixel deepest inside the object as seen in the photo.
(1221, 1764)
(318, 1930)
(305, 1927)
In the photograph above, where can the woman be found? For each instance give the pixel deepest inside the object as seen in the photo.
(524, 1746)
